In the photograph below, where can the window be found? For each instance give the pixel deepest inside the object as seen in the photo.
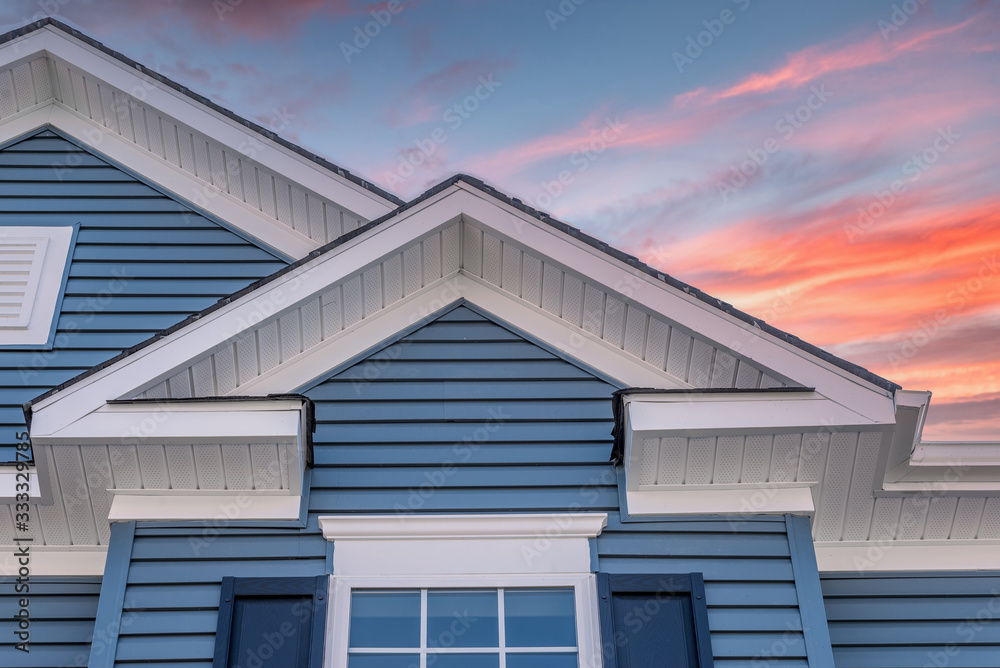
(271, 623)
(653, 620)
(33, 267)
(463, 628)
(464, 622)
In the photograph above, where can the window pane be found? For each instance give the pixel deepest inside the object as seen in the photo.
(463, 661)
(383, 661)
(385, 619)
(462, 619)
(541, 660)
(540, 618)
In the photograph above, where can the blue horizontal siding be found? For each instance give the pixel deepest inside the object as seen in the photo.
(62, 621)
(171, 601)
(387, 426)
(463, 415)
(142, 262)
(904, 620)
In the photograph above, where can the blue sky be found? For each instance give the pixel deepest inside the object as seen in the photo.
(747, 147)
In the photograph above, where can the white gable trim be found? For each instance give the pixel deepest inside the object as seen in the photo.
(188, 111)
(159, 360)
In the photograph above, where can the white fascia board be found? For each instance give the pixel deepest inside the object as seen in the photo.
(182, 506)
(181, 422)
(937, 454)
(466, 544)
(736, 501)
(637, 286)
(652, 415)
(193, 114)
(921, 555)
(160, 359)
(45, 560)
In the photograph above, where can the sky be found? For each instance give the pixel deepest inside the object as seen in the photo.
(830, 167)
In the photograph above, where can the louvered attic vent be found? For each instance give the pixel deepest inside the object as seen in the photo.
(32, 266)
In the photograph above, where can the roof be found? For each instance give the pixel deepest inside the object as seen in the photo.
(250, 125)
(574, 232)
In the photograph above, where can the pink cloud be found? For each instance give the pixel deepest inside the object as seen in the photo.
(810, 64)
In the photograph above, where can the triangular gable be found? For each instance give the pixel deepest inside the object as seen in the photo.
(458, 242)
(274, 191)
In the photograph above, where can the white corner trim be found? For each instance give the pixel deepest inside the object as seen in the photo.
(445, 527)
(41, 253)
(467, 544)
(217, 508)
(923, 555)
(54, 561)
(738, 500)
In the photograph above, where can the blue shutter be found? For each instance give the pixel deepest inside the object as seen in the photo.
(271, 623)
(654, 620)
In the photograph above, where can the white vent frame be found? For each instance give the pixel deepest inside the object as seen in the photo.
(34, 323)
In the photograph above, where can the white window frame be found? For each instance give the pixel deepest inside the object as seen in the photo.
(35, 322)
(584, 585)
(463, 551)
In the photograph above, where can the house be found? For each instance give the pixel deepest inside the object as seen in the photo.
(272, 415)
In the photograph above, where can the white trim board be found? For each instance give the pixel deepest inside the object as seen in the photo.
(223, 508)
(466, 544)
(923, 555)
(738, 501)
(55, 561)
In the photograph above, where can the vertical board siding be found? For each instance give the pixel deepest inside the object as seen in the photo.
(912, 620)
(142, 262)
(62, 621)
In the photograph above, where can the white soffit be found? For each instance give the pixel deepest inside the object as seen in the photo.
(272, 193)
(364, 265)
(744, 454)
(464, 544)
